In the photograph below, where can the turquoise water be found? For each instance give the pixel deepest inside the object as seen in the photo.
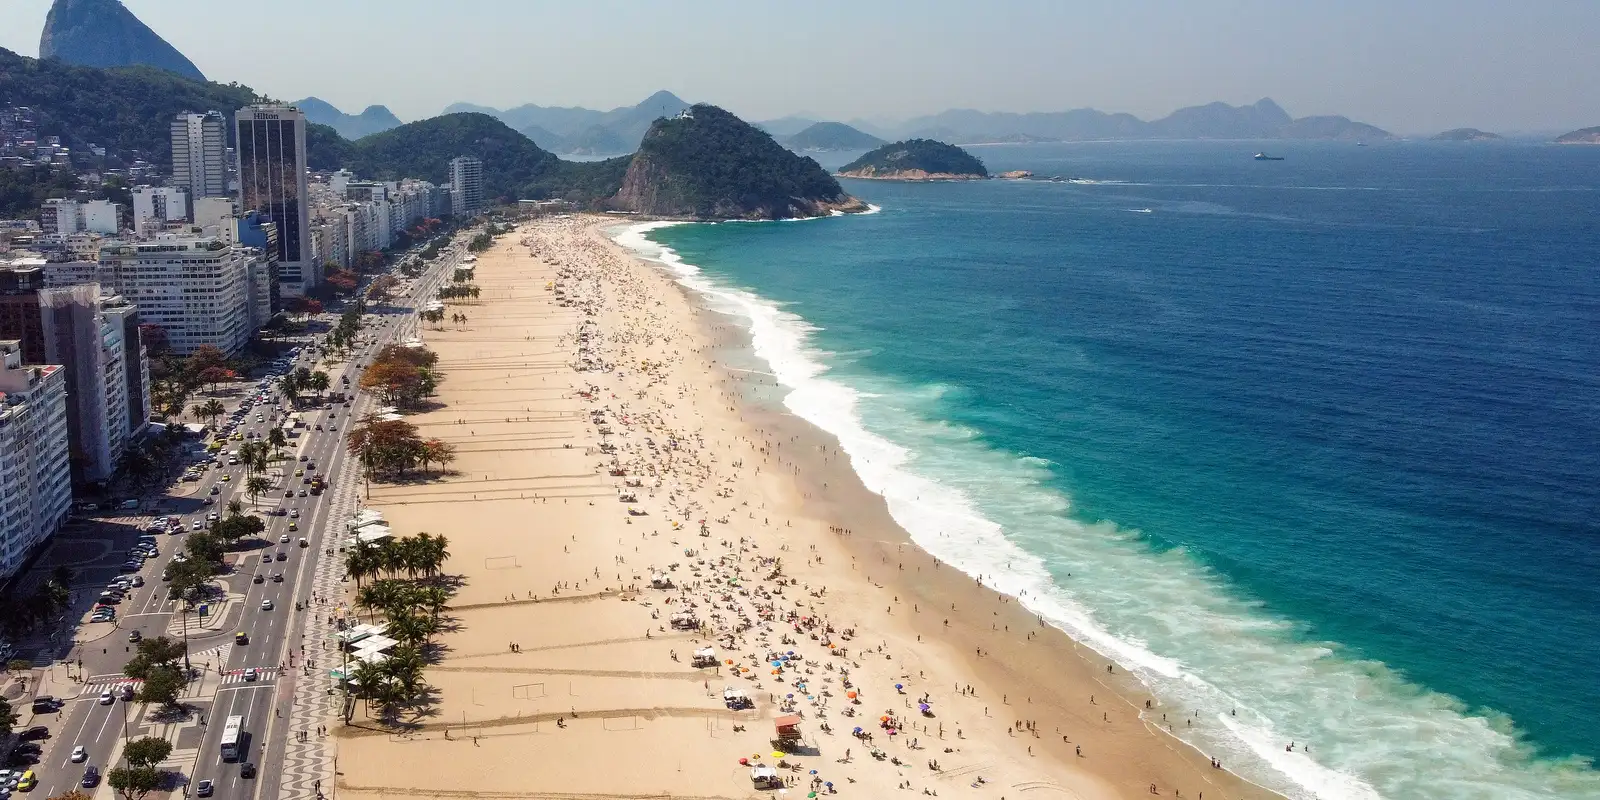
(1318, 441)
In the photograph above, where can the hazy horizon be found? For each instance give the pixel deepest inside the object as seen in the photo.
(1412, 68)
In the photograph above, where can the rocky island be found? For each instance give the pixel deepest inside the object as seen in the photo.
(706, 163)
(1466, 135)
(1580, 136)
(916, 160)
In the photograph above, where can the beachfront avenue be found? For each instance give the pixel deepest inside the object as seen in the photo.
(244, 650)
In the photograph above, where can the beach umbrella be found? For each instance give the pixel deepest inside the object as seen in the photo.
(923, 706)
(744, 761)
(811, 794)
(899, 686)
(790, 695)
(777, 754)
(851, 695)
(813, 772)
(883, 719)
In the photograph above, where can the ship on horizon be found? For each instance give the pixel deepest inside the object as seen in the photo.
(1265, 157)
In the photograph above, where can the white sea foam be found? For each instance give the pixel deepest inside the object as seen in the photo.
(1160, 615)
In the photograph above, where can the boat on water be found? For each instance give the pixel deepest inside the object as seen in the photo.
(1265, 157)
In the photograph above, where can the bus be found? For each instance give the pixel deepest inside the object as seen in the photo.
(231, 733)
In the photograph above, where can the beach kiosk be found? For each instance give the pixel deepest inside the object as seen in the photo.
(765, 777)
(705, 657)
(736, 699)
(685, 621)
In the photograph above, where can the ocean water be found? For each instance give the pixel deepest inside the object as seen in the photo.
(1311, 446)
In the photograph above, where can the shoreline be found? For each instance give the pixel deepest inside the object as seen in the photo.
(546, 627)
(834, 491)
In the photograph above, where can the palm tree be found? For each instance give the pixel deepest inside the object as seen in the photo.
(257, 486)
(278, 441)
(235, 508)
(361, 562)
(259, 457)
(214, 409)
(319, 382)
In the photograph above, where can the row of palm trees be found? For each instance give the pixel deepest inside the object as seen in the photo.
(459, 291)
(421, 555)
(436, 316)
(411, 608)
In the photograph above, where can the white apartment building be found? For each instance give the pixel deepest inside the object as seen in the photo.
(66, 217)
(35, 481)
(466, 186)
(199, 154)
(156, 206)
(197, 289)
(96, 341)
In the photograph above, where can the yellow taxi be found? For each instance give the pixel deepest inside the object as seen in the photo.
(299, 472)
(293, 526)
(226, 477)
(27, 781)
(241, 638)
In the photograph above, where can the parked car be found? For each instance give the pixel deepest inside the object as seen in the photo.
(34, 733)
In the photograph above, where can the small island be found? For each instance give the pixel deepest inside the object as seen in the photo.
(916, 160)
(1466, 135)
(1581, 136)
(827, 136)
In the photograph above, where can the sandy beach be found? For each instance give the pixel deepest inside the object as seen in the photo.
(617, 505)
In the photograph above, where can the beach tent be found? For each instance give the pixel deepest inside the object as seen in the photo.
(705, 657)
(765, 777)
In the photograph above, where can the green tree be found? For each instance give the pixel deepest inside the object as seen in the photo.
(154, 654)
(147, 751)
(205, 548)
(213, 409)
(8, 718)
(133, 783)
(162, 686)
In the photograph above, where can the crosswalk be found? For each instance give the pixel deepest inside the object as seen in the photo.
(237, 675)
(108, 683)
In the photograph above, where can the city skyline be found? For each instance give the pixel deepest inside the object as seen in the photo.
(1412, 68)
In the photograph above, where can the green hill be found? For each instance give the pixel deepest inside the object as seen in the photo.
(709, 164)
(513, 166)
(832, 136)
(916, 159)
(127, 110)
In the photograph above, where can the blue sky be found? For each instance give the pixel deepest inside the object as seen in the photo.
(1412, 66)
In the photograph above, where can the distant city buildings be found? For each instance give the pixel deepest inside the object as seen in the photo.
(271, 148)
(199, 154)
(466, 186)
(351, 217)
(35, 479)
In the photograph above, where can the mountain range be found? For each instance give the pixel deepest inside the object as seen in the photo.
(375, 119)
(1263, 119)
(104, 33)
(583, 131)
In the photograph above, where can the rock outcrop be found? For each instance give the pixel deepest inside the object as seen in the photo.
(708, 164)
(917, 160)
(103, 33)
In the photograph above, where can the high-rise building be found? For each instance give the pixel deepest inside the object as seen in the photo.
(199, 154)
(272, 180)
(96, 341)
(466, 186)
(196, 289)
(35, 481)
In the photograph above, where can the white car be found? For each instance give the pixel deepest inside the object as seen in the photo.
(251, 674)
(106, 699)
(266, 605)
(80, 754)
(284, 539)
(197, 525)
